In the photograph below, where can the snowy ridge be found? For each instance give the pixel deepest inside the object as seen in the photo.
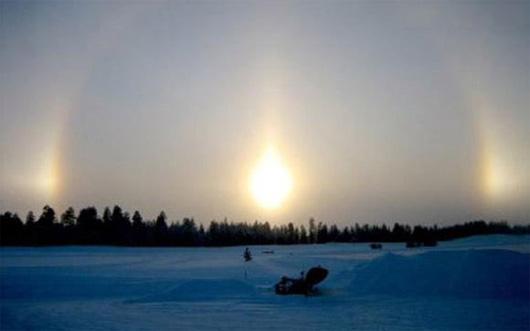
(494, 274)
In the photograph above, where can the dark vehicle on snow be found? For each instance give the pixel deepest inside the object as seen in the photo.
(303, 285)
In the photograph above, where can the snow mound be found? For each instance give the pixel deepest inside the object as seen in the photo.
(203, 289)
(492, 274)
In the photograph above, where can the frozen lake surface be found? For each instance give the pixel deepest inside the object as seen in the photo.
(477, 283)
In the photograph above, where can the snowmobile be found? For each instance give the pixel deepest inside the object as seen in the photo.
(303, 285)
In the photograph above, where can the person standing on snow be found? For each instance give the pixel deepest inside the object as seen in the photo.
(247, 255)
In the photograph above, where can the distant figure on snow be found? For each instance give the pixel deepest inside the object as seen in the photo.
(247, 255)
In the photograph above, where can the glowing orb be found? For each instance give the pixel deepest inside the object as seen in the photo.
(270, 182)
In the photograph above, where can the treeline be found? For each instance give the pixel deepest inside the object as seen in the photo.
(116, 227)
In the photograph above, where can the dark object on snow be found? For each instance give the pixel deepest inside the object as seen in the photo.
(430, 243)
(268, 252)
(412, 244)
(247, 255)
(376, 246)
(425, 243)
(302, 285)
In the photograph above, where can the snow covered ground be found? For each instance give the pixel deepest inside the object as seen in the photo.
(477, 283)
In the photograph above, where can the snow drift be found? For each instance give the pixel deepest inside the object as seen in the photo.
(492, 274)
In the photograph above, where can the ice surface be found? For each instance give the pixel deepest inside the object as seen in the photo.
(478, 283)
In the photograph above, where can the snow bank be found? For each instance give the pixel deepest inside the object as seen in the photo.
(493, 274)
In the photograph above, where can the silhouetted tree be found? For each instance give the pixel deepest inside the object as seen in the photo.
(120, 227)
(89, 226)
(334, 234)
(107, 216)
(303, 235)
(29, 229)
(291, 234)
(68, 217)
(30, 218)
(139, 236)
(11, 229)
(161, 229)
(312, 231)
(213, 237)
(137, 219)
(188, 232)
(46, 228)
(345, 235)
(47, 218)
(322, 233)
(201, 238)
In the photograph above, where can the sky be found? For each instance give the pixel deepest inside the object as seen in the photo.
(378, 111)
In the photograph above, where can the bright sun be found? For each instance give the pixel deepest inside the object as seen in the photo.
(270, 182)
